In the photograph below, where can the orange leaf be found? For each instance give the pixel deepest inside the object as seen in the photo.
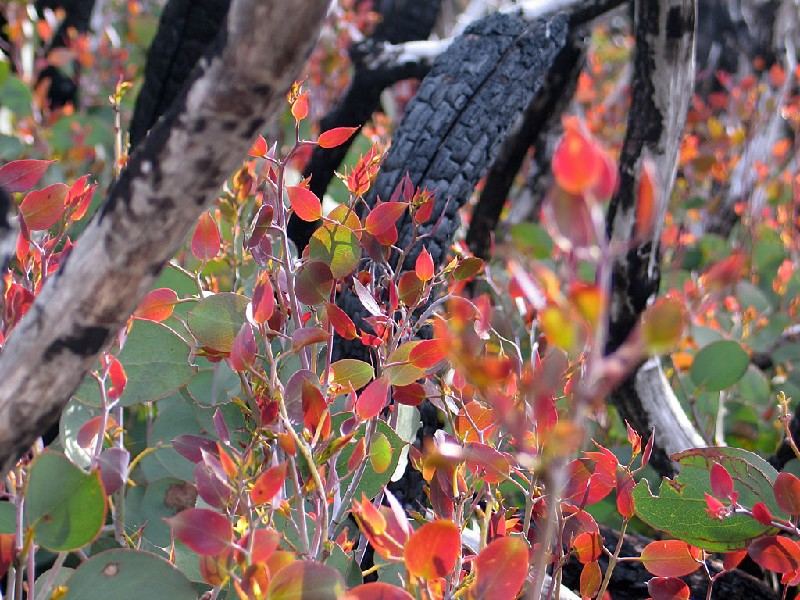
(259, 148)
(577, 161)
(157, 305)
(373, 399)
(268, 484)
(300, 107)
(646, 202)
(433, 550)
(424, 265)
(591, 578)
(588, 546)
(42, 209)
(305, 203)
(501, 568)
(336, 137)
(206, 240)
(670, 558)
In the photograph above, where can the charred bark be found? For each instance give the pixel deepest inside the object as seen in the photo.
(186, 31)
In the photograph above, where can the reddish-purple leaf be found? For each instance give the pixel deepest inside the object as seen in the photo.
(775, 553)
(244, 349)
(305, 203)
(210, 487)
(787, 493)
(625, 484)
(42, 209)
(373, 399)
(205, 531)
(268, 484)
(668, 588)
(190, 446)
(22, 175)
(341, 322)
(305, 336)
(206, 239)
(113, 465)
(335, 137)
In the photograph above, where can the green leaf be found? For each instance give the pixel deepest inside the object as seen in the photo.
(532, 238)
(346, 565)
(336, 246)
(404, 373)
(214, 383)
(306, 580)
(216, 320)
(148, 506)
(65, 506)
(73, 417)
(124, 574)
(8, 518)
(754, 387)
(719, 365)
(350, 371)
(156, 361)
(680, 508)
(371, 482)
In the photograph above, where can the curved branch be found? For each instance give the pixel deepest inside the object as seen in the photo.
(169, 180)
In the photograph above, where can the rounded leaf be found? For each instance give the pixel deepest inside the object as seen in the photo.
(351, 372)
(384, 216)
(314, 283)
(663, 324)
(380, 453)
(268, 484)
(337, 246)
(719, 365)
(205, 531)
(206, 239)
(305, 203)
(22, 175)
(668, 588)
(377, 590)
(433, 550)
(41, 209)
(65, 506)
(124, 574)
(787, 492)
(373, 399)
(157, 305)
(216, 320)
(501, 568)
(670, 558)
(775, 553)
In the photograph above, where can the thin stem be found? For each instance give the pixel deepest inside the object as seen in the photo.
(613, 560)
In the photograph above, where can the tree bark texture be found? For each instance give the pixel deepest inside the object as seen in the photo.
(455, 125)
(662, 86)
(186, 31)
(170, 179)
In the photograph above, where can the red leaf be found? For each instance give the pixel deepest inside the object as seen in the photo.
(263, 300)
(670, 558)
(721, 481)
(787, 492)
(731, 560)
(634, 439)
(591, 578)
(300, 107)
(268, 484)
(410, 395)
(424, 265)
(42, 209)
(335, 137)
(668, 588)
(428, 353)
(341, 322)
(305, 203)
(433, 550)
(244, 349)
(8, 550)
(358, 455)
(625, 484)
(384, 216)
(205, 531)
(206, 240)
(714, 508)
(501, 568)
(116, 376)
(87, 434)
(775, 553)
(377, 591)
(762, 514)
(315, 410)
(373, 399)
(259, 148)
(80, 197)
(646, 202)
(157, 305)
(22, 175)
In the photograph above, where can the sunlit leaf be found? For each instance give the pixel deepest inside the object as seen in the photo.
(157, 305)
(433, 550)
(268, 484)
(206, 239)
(424, 267)
(384, 216)
(306, 580)
(335, 137)
(380, 453)
(351, 372)
(501, 568)
(775, 553)
(338, 247)
(341, 322)
(670, 558)
(591, 578)
(373, 399)
(42, 209)
(377, 590)
(305, 203)
(787, 492)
